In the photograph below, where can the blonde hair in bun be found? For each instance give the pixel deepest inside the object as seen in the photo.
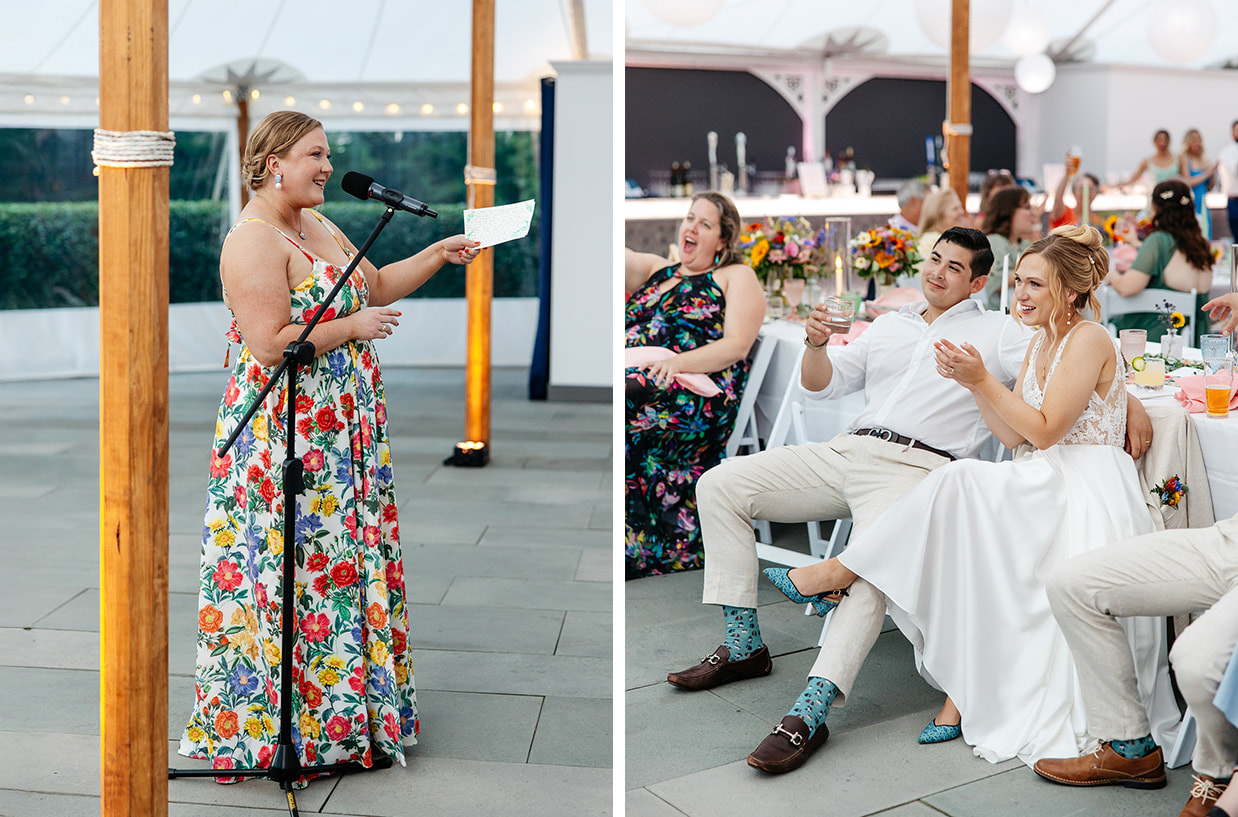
(1078, 263)
(275, 134)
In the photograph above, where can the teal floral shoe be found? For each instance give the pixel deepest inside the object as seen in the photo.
(822, 602)
(936, 733)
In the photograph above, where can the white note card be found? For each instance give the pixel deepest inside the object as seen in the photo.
(495, 225)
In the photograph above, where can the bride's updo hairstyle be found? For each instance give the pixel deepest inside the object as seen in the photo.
(1079, 263)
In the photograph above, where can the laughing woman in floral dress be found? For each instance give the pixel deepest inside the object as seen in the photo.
(353, 692)
(706, 310)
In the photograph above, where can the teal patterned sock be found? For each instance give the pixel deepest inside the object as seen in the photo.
(1131, 749)
(814, 703)
(743, 634)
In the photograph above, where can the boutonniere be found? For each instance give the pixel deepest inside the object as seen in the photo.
(1171, 491)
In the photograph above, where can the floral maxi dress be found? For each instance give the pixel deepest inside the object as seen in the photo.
(673, 435)
(352, 670)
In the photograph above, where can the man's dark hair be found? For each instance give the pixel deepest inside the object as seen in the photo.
(974, 240)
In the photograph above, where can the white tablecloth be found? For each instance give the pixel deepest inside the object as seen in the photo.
(825, 418)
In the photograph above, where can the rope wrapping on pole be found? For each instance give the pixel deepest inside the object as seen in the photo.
(136, 148)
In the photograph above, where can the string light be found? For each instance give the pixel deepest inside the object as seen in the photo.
(29, 99)
(427, 109)
(197, 99)
(393, 108)
(462, 109)
(290, 101)
(497, 107)
(325, 104)
(64, 100)
(227, 97)
(253, 94)
(358, 107)
(530, 105)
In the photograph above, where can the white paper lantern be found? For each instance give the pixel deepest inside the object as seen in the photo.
(1027, 34)
(1181, 30)
(1034, 73)
(987, 20)
(684, 13)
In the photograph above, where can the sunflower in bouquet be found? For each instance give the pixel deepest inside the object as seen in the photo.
(781, 248)
(884, 252)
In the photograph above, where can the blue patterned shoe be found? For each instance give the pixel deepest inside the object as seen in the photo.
(822, 602)
(936, 733)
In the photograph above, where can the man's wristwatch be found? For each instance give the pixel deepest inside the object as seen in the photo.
(814, 345)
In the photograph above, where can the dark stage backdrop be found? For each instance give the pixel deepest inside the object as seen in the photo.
(669, 111)
(885, 121)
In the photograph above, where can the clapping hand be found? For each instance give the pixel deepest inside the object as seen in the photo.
(960, 364)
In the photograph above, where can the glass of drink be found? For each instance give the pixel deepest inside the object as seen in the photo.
(1152, 375)
(839, 314)
(1213, 348)
(1073, 157)
(1132, 342)
(1218, 386)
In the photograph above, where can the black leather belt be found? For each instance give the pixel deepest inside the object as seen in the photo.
(898, 439)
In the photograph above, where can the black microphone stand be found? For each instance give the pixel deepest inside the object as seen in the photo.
(286, 767)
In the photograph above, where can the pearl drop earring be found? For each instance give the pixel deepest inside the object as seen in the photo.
(279, 181)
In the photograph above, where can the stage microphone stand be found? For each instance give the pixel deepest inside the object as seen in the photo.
(285, 767)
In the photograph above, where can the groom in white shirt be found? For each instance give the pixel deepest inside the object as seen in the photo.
(913, 421)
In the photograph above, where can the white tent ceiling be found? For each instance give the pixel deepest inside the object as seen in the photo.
(1100, 31)
(369, 60)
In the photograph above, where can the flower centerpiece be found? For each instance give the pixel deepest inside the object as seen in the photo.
(780, 248)
(1171, 341)
(884, 252)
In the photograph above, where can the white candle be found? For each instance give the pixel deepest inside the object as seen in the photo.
(1005, 284)
(838, 275)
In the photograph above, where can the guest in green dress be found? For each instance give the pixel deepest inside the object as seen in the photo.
(1010, 226)
(1175, 255)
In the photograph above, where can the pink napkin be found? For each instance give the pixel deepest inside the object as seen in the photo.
(857, 328)
(698, 383)
(1191, 394)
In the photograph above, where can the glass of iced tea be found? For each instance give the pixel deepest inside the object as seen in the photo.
(839, 312)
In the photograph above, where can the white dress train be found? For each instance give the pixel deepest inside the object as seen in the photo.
(963, 559)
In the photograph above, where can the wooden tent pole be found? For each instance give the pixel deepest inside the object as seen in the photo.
(242, 133)
(133, 417)
(958, 139)
(479, 286)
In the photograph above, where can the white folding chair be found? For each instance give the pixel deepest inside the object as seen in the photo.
(1150, 300)
(745, 433)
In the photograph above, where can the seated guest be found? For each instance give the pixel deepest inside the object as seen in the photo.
(1159, 574)
(911, 195)
(706, 310)
(960, 541)
(941, 211)
(994, 181)
(1173, 256)
(857, 474)
(1010, 226)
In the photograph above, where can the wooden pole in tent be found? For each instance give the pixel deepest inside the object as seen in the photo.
(242, 133)
(133, 417)
(958, 109)
(480, 180)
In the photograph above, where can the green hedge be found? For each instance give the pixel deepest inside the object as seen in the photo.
(49, 252)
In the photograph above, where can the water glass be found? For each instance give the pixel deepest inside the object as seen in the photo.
(1213, 349)
(839, 314)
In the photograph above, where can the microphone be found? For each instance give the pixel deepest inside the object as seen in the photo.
(364, 187)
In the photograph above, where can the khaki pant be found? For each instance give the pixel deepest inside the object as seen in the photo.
(850, 476)
(1160, 574)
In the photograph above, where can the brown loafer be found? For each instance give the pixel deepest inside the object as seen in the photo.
(787, 746)
(1105, 767)
(717, 668)
(1204, 793)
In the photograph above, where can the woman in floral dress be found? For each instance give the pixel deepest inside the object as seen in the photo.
(707, 310)
(353, 691)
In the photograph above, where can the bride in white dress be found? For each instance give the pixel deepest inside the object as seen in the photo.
(962, 559)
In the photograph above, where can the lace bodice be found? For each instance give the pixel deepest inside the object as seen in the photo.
(1103, 421)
